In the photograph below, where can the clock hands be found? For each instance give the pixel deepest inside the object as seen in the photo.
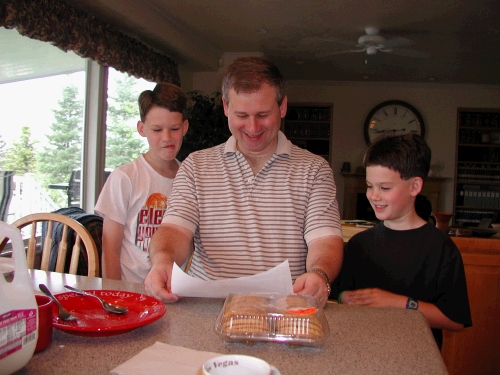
(387, 130)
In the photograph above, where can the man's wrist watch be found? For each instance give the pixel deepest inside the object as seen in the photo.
(412, 304)
(325, 276)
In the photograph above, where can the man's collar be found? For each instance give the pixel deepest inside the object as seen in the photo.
(230, 146)
(284, 146)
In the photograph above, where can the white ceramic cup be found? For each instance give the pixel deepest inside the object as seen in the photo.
(236, 364)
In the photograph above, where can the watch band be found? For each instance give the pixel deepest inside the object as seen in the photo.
(325, 276)
(412, 304)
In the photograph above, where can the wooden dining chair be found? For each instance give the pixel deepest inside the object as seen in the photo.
(81, 236)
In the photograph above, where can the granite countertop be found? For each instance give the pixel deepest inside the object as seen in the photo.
(362, 340)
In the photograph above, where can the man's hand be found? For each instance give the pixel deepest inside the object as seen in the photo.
(374, 297)
(157, 284)
(313, 284)
(161, 252)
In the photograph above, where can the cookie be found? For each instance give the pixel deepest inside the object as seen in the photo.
(246, 325)
(246, 314)
(302, 326)
(248, 304)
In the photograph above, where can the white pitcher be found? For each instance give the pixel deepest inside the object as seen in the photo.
(18, 309)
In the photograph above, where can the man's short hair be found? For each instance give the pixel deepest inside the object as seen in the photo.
(164, 95)
(247, 74)
(407, 154)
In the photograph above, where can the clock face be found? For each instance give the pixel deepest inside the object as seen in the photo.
(393, 117)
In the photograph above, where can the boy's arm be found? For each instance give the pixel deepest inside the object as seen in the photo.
(112, 238)
(436, 318)
(380, 298)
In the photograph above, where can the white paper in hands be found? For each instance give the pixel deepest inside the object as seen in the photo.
(275, 280)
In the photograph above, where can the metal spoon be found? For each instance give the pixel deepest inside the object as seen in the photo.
(63, 313)
(112, 308)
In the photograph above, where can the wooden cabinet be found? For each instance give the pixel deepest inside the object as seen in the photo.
(474, 350)
(308, 126)
(477, 183)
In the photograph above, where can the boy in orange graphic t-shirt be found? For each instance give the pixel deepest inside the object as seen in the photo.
(134, 197)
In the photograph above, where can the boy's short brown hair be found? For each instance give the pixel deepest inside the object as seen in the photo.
(164, 95)
(407, 154)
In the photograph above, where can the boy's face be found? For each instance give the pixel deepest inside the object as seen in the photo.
(392, 198)
(164, 131)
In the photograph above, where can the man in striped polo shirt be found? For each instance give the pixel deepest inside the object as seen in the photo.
(245, 206)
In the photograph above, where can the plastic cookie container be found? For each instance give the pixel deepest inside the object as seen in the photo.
(292, 319)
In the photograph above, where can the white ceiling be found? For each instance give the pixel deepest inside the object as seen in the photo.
(461, 37)
(23, 58)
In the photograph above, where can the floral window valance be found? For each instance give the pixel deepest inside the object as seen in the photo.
(69, 28)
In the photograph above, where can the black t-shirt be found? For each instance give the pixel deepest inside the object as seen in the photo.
(422, 263)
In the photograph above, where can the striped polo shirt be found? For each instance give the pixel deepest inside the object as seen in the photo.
(245, 224)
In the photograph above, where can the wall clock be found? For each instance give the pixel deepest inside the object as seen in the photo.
(393, 117)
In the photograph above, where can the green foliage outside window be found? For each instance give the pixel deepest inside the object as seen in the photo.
(55, 162)
(20, 157)
(122, 142)
(64, 152)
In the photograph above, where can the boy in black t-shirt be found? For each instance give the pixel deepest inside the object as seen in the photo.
(404, 261)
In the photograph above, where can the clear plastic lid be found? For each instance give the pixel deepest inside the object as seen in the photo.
(292, 318)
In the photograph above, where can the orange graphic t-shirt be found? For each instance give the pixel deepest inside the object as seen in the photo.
(149, 219)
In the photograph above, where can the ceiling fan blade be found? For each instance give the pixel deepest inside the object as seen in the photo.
(326, 54)
(406, 52)
(397, 42)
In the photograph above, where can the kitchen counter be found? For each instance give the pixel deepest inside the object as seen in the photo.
(362, 340)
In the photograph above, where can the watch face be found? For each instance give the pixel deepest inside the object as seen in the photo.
(412, 304)
(393, 117)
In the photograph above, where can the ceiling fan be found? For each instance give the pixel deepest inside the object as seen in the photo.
(371, 43)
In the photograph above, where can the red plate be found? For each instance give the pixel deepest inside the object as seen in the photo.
(93, 320)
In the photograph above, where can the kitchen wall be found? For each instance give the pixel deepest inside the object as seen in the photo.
(436, 103)
(352, 101)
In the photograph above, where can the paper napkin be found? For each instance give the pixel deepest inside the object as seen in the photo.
(166, 359)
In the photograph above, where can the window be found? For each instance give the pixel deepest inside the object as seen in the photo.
(123, 143)
(41, 124)
(43, 136)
